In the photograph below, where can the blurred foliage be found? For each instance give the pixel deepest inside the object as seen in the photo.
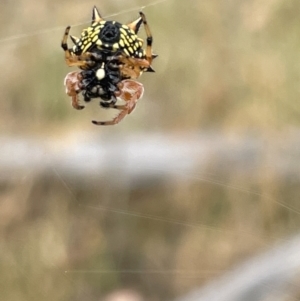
(68, 240)
(230, 66)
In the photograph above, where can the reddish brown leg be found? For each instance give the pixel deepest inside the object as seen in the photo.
(131, 92)
(116, 120)
(133, 67)
(72, 84)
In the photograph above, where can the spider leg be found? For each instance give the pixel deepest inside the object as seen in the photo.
(75, 102)
(116, 120)
(130, 71)
(129, 107)
(125, 110)
(73, 87)
(133, 61)
(131, 92)
(64, 42)
(133, 67)
(71, 59)
(149, 39)
(111, 104)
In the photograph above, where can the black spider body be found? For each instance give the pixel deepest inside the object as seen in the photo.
(107, 53)
(105, 84)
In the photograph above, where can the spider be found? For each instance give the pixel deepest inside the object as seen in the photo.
(109, 37)
(108, 52)
(130, 91)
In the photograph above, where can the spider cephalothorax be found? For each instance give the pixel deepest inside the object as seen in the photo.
(108, 53)
(111, 37)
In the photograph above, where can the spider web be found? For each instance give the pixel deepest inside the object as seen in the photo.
(62, 27)
(137, 202)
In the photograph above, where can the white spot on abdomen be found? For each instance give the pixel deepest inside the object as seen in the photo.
(100, 74)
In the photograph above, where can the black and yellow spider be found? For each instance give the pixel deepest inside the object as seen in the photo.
(107, 52)
(110, 37)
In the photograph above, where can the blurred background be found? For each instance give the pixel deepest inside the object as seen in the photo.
(202, 177)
